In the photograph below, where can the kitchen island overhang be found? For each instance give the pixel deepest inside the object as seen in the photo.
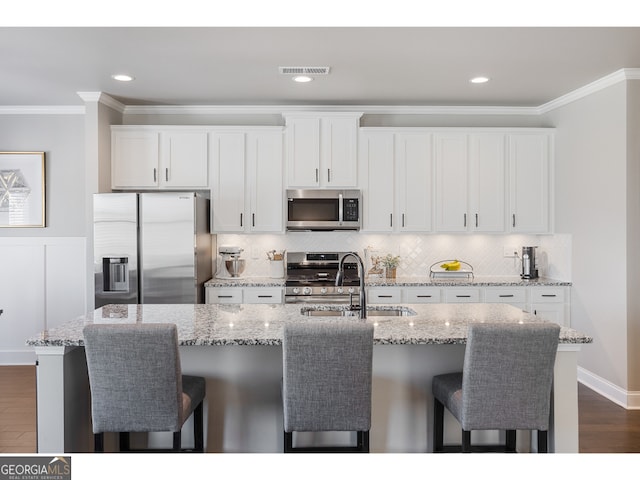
(244, 412)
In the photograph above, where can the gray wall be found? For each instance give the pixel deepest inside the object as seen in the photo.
(61, 137)
(633, 233)
(591, 205)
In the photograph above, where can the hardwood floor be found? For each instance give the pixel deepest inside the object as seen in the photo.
(17, 409)
(604, 426)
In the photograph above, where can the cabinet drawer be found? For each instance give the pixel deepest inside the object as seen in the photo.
(505, 295)
(547, 295)
(262, 295)
(384, 295)
(223, 295)
(421, 295)
(462, 295)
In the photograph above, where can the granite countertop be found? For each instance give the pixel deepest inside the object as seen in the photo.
(417, 281)
(204, 324)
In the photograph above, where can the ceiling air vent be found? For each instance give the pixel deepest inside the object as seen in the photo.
(304, 70)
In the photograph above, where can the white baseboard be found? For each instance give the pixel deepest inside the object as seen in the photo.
(17, 357)
(627, 399)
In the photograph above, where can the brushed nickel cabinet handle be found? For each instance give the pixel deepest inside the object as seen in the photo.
(155, 175)
(476, 220)
(240, 219)
(403, 220)
(391, 219)
(166, 174)
(514, 220)
(253, 219)
(328, 175)
(465, 220)
(316, 174)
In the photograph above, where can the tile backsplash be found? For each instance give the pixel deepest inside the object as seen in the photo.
(417, 252)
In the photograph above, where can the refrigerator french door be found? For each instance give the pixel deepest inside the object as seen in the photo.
(151, 247)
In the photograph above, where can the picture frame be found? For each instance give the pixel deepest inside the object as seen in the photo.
(22, 189)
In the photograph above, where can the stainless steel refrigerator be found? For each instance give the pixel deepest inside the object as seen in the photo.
(151, 247)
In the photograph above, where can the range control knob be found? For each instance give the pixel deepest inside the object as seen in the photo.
(323, 290)
(352, 290)
(296, 290)
(340, 290)
(306, 290)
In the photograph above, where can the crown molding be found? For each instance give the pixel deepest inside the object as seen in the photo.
(103, 98)
(600, 84)
(365, 109)
(42, 110)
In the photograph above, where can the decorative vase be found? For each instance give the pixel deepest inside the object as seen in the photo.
(391, 272)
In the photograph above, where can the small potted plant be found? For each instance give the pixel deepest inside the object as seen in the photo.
(391, 263)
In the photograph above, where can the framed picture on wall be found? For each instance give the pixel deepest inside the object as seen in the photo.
(22, 198)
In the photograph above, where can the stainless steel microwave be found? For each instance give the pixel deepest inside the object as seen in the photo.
(324, 210)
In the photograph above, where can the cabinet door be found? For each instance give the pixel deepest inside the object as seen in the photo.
(553, 312)
(377, 183)
(451, 159)
(134, 159)
(228, 182)
(384, 295)
(487, 183)
(338, 152)
(184, 160)
(262, 295)
(303, 151)
(264, 153)
(529, 160)
(414, 180)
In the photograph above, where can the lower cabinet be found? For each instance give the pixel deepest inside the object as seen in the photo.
(551, 303)
(229, 295)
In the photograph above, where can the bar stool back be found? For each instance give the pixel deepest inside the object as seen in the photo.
(137, 383)
(327, 369)
(505, 383)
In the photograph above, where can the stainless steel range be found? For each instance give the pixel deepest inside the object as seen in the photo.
(311, 278)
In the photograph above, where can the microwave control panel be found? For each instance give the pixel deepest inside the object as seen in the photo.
(351, 210)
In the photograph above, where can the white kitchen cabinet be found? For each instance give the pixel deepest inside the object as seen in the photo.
(470, 182)
(322, 149)
(246, 179)
(149, 157)
(396, 180)
(224, 295)
(462, 295)
(384, 295)
(421, 295)
(237, 295)
(551, 303)
(262, 295)
(529, 182)
(451, 182)
(516, 296)
(487, 182)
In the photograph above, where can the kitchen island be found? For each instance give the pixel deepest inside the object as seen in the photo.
(237, 349)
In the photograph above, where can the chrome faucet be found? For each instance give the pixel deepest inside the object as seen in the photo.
(361, 271)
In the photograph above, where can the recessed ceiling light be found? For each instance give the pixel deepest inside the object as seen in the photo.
(479, 80)
(302, 79)
(122, 77)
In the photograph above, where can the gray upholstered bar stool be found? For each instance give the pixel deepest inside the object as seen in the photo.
(137, 383)
(326, 385)
(505, 383)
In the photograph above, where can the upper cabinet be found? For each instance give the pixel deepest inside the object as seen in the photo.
(247, 180)
(470, 182)
(322, 149)
(147, 157)
(396, 180)
(530, 157)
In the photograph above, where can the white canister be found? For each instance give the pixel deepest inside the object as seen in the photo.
(276, 268)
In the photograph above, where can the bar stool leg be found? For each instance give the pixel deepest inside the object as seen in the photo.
(466, 441)
(438, 426)
(542, 441)
(511, 441)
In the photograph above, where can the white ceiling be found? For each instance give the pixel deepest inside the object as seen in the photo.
(423, 66)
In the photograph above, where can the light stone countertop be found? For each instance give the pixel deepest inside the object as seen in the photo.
(256, 324)
(418, 281)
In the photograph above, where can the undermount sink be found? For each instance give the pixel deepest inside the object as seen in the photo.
(371, 312)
